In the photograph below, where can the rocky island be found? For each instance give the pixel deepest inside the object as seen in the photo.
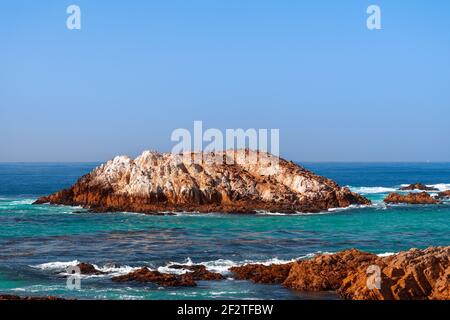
(164, 182)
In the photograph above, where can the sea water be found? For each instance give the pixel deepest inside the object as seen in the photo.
(38, 242)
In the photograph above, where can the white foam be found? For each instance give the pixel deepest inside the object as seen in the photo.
(57, 265)
(222, 265)
(372, 190)
(61, 267)
(386, 254)
(440, 186)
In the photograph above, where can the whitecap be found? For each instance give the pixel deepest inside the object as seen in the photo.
(372, 190)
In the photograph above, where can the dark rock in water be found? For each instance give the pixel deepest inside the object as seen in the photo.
(4, 297)
(411, 198)
(163, 279)
(154, 183)
(419, 186)
(88, 269)
(199, 272)
(259, 273)
(444, 195)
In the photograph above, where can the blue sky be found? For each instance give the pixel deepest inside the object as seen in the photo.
(137, 70)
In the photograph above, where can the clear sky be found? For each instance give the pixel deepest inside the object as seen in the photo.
(137, 70)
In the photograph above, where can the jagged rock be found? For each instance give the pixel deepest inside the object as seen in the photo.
(419, 186)
(163, 279)
(414, 274)
(258, 273)
(411, 198)
(155, 182)
(326, 272)
(199, 272)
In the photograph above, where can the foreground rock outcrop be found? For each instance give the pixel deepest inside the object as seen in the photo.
(411, 275)
(418, 186)
(411, 198)
(155, 182)
(326, 272)
(414, 274)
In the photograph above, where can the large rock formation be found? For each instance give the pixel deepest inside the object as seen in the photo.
(414, 274)
(155, 182)
(411, 198)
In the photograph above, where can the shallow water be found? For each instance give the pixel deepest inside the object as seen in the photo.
(37, 243)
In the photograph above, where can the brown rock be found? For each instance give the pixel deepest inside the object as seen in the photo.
(86, 268)
(419, 186)
(411, 198)
(199, 272)
(258, 273)
(414, 274)
(155, 182)
(162, 279)
(326, 272)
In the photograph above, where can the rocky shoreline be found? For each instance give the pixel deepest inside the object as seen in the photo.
(157, 182)
(353, 274)
(410, 275)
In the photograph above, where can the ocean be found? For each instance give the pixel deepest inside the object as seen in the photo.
(38, 242)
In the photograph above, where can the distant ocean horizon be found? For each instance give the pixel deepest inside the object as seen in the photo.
(37, 242)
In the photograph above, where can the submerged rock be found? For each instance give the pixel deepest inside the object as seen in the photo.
(411, 198)
(163, 279)
(155, 182)
(419, 186)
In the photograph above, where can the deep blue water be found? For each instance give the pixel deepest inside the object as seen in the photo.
(38, 242)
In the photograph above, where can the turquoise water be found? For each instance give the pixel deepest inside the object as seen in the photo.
(37, 243)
